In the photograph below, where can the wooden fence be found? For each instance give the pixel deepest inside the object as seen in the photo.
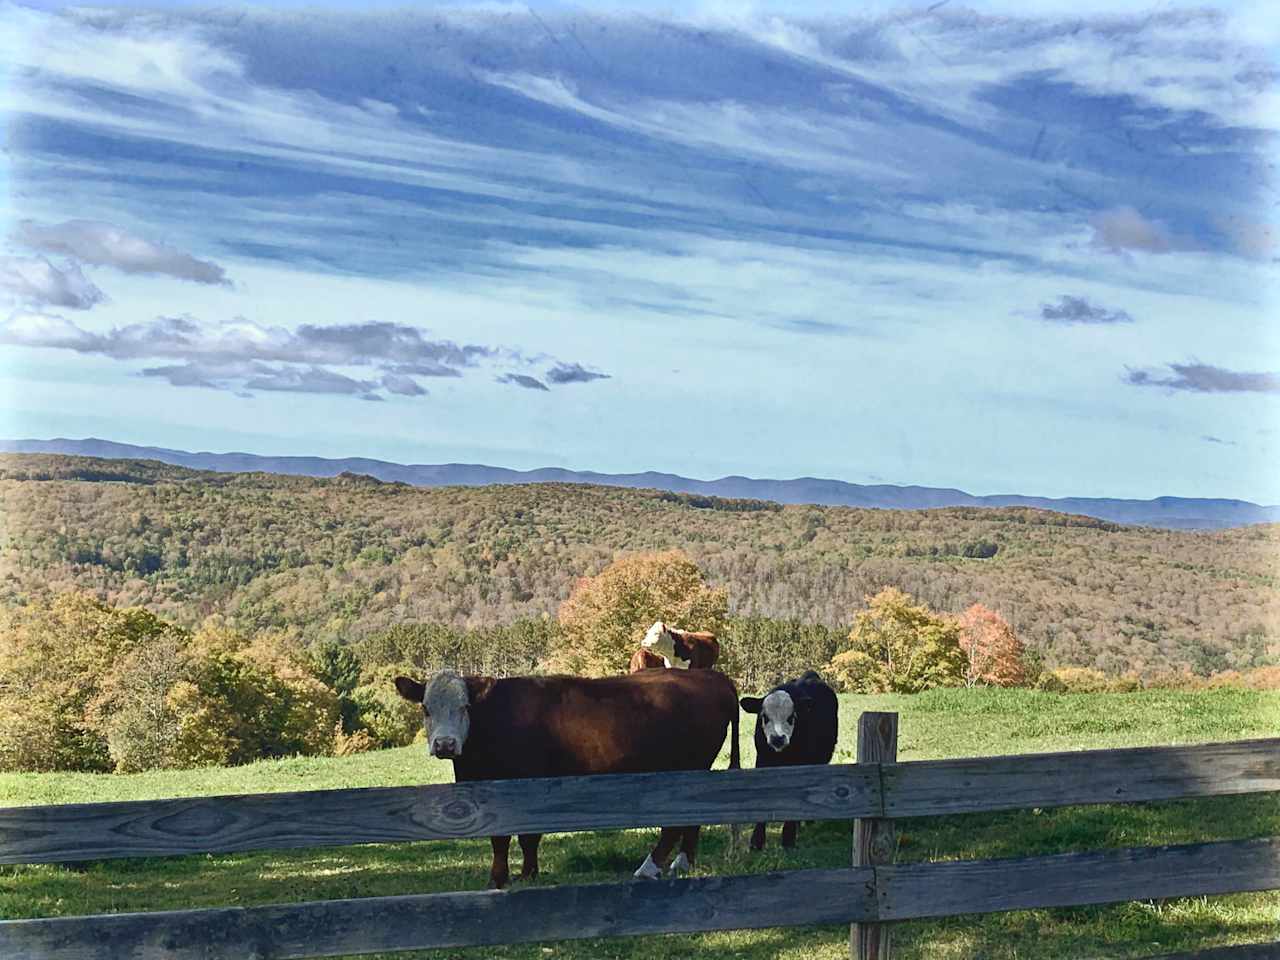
(869, 894)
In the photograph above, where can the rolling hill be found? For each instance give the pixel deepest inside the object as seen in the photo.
(350, 556)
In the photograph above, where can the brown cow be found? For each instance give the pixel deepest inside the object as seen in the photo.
(665, 646)
(521, 727)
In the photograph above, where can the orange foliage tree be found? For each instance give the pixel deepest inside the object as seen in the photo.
(995, 655)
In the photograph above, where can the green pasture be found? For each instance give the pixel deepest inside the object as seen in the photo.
(942, 723)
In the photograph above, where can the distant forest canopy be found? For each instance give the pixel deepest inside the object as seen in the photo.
(349, 557)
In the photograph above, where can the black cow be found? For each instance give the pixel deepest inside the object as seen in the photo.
(796, 723)
(522, 727)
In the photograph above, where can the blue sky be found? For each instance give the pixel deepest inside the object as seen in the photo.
(1009, 248)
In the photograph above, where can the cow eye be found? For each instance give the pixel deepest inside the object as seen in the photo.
(426, 713)
(791, 719)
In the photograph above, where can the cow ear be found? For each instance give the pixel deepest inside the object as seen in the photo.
(479, 687)
(751, 704)
(411, 690)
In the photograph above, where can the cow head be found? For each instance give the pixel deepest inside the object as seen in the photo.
(778, 713)
(446, 703)
(661, 641)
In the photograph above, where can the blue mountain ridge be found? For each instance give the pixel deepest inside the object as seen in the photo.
(1169, 512)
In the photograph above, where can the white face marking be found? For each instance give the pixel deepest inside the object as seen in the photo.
(679, 866)
(659, 641)
(778, 717)
(446, 715)
(648, 870)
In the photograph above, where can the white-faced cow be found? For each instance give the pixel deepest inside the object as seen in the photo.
(522, 727)
(665, 646)
(796, 723)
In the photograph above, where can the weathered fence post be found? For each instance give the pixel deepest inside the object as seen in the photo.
(874, 838)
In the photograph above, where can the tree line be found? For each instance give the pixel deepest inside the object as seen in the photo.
(88, 686)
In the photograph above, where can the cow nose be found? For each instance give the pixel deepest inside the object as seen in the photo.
(445, 747)
(777, 742)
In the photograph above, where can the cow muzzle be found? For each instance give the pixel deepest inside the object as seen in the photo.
(778, 743)
(446, 748)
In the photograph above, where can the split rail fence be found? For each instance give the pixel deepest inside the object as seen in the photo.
(870, 894)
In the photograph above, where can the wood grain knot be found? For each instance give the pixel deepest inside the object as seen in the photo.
(458, 810)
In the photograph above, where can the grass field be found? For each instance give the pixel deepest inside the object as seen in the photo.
(937, 724)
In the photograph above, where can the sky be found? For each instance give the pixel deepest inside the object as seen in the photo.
(1007, 247)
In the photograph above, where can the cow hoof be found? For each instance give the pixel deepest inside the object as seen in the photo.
(679, 866)
(648, 870)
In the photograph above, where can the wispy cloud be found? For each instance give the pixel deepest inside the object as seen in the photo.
(102, 244)
(573, 373)
(1204, 378)
(242, 355)
(1071, 309)
(522, 380)
(41, 283)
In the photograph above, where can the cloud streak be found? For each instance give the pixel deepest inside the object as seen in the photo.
(102, 244)
(573, 373)
(522, 380)
(1070, 310)
(1204, 378)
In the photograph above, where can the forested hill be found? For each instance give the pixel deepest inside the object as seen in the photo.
(351, 555)
(1188, 513)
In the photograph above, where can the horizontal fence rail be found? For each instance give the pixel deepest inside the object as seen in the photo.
(96, 831)
(856, 894)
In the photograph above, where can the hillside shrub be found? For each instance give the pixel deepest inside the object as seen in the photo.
(1075, 680)
(387, 717)
(899, 646)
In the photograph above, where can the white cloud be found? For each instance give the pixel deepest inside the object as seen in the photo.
(41, 283)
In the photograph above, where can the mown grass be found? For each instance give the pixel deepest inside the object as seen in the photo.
(944, 723)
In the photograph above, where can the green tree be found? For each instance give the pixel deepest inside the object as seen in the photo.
(899, 646)
(337, 667)
(606, 616)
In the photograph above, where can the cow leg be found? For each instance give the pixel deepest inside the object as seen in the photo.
(683, 862)
(757, 837)
(529, 850)
(651, 869)
(500, 872)
(789, 831)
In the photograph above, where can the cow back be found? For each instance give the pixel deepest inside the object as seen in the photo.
(703, 648)
(643, 659)
(558, 726)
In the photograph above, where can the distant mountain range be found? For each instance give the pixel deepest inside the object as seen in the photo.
(1171, 512)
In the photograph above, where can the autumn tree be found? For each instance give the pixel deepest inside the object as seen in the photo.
(606, 616)
(56, 660)
(899, 646)
(995, 656)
